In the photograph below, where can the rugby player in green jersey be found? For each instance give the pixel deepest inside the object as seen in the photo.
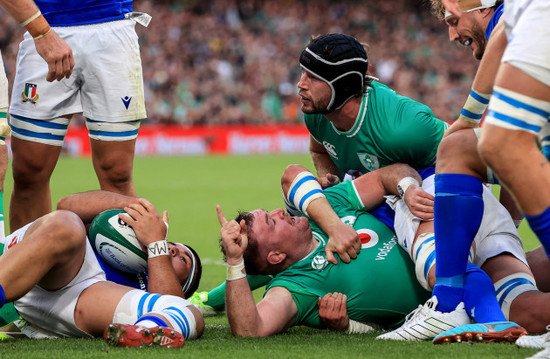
(292, 249)
(355, 122)
(356, 125)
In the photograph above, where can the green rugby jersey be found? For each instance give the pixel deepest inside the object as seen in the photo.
(380, 283)
(389, 129)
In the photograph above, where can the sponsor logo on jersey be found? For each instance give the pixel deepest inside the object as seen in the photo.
(319, 262)
(30, 94)
(126, 101)
(369, 161)
(369, 238)
(350, 220)
(330, 149)
(385, 249)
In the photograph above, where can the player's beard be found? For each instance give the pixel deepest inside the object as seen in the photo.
(317, 107)
(478, 37)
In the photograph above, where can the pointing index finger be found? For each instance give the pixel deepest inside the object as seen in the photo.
(221, 217)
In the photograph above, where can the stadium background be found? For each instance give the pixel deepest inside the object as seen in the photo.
(220, 77)
(213, 66)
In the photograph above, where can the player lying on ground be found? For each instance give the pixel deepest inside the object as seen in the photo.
(483, 307)
(517, 292)
(277, 244)
(498, 250)
(48, 266)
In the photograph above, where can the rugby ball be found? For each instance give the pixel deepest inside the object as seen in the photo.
(116, 242)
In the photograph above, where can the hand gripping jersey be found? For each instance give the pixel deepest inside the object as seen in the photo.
(380, 283)
(389, 129)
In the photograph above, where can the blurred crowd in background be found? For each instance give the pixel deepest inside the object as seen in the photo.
(225, 62)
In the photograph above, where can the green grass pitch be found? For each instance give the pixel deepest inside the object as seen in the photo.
(189, 188)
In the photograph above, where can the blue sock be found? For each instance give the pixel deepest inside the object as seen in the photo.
(480, 298)
(540, 224)
(458, 212)
(2, 297)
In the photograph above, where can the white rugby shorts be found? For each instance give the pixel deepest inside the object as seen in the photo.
(52, 312)
(497, 233)
(526, 24)
(107, 80)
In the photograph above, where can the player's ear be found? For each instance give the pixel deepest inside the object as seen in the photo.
(276, 257)
(486, 12)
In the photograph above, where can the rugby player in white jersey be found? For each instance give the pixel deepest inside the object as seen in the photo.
(59, 287)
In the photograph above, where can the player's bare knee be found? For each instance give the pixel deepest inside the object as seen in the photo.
(29, 174)
(64, 231)
(291, 171)
(455, 152)
(116, 179)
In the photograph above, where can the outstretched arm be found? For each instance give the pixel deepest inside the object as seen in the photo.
(53, 49)
(373, 186)
(301, 190)
(273, 314)
(482, 87)
(89, 204)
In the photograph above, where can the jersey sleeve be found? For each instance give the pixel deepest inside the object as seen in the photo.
(305, 299)
(344, 196)
(417, 135)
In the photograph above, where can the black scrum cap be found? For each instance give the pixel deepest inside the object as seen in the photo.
(340, 61)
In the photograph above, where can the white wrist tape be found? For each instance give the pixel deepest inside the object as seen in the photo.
(235, 272)
(358, 327)
(31, 19)
(475, 106)
(158, 248)
(303, 190)
(404, 184)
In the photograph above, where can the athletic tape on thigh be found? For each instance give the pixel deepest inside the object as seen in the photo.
(110, 131)
(49, 132)
(182, 319)
(515, 111)
(137, 304)
(290, 208)
(510, 287)
(423, 253)
(303, 190)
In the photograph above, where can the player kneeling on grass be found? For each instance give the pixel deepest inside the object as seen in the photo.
(294, 250)
(50, 272)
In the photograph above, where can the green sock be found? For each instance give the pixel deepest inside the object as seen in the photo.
(216, 297)
(8, 314)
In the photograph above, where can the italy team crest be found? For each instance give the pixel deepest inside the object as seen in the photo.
(30, 94)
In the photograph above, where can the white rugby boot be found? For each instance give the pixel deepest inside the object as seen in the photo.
(425, 322)
(535, 341)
